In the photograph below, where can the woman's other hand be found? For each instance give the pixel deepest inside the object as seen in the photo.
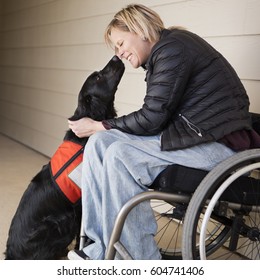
(85, 127)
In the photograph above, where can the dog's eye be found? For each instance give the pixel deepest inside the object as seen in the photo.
(98, 77)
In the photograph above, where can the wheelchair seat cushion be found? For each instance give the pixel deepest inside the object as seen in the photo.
(177, 178)
(180, 179)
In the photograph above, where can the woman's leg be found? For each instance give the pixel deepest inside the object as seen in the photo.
(92, 170)
(121, 166)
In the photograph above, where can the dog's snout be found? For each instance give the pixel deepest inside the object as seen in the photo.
(115, 58)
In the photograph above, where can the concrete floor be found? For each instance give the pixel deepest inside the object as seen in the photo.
(18, 165)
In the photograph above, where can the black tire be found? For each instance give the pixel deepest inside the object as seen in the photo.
(240, 213)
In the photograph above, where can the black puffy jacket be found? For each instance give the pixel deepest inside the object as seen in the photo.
(193, 94)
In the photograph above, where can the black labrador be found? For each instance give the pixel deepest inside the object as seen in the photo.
(48, 217)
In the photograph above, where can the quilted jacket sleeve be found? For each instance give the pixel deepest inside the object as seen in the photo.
(168, 70)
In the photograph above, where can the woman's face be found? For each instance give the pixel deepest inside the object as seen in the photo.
(131, 47)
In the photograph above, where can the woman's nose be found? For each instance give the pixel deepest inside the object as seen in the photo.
(119, 52)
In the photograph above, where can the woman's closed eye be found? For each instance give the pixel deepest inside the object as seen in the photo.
(119, 44)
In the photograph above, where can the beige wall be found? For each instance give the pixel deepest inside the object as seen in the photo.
(48, 47)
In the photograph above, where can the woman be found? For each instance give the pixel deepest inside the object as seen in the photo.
(194, 108)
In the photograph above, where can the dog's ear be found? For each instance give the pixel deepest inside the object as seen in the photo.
(87, 99)
(83, 108)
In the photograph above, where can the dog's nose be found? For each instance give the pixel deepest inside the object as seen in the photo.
(115, 58)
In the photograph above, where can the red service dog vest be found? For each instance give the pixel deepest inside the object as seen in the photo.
(67, 157)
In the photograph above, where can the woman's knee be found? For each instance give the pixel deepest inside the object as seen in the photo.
(100, 139)
(119, 151)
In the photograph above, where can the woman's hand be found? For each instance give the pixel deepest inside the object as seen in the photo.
(85, 127)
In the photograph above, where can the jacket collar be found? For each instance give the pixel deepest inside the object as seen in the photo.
(164, 34)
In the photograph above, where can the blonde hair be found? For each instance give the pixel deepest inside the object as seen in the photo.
(137, 19)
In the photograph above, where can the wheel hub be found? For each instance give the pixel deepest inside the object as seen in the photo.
(254, 234)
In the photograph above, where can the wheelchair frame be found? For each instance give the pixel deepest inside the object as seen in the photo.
(190, 249)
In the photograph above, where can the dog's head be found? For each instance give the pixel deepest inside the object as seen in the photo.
(96, 97)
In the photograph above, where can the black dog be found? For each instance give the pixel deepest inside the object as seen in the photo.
(48, 217)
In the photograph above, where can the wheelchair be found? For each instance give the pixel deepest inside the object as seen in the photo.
(203, 215)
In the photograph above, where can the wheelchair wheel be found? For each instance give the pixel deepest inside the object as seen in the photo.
(170, 230)
(230, 196)
(169, 219)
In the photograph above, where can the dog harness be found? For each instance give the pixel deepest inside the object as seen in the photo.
(67, 157)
